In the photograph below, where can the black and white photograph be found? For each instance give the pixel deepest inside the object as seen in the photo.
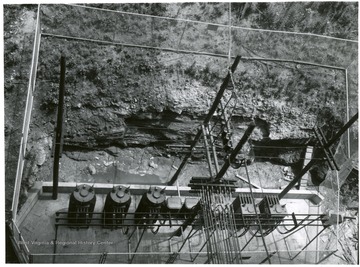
(181, 132)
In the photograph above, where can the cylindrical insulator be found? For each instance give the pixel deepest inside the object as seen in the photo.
(82, 204)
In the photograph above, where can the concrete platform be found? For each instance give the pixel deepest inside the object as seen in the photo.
(96, 244)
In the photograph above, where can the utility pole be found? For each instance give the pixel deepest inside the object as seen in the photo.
(313, 161)
(59, 129)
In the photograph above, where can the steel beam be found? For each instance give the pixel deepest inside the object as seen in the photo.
(236, 151)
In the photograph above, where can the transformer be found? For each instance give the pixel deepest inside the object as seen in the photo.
(81, 205)
(171, 208)
(117, 204)
(244, 211)
(149, 207)
(188, 213)
(272, 213)
(190, 206)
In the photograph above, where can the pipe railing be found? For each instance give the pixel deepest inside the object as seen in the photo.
(27, 117)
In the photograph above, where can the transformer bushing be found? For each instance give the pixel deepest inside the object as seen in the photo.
(81, 205)
(149, 207)
(244, 211)
(117, 204)
(272, 212)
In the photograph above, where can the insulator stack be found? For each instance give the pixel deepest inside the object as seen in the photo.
(149, 207)
(81, 205)
(272, 213)
(117, 204)
(244, 211)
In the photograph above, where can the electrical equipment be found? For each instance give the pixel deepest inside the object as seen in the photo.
(81, 205)
(272, 213)
(149, 207)
(244, 211)
(117, 204)
(188, 213)
(190, 206)
(171, 208)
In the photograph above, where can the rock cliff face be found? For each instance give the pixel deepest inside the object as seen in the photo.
(128, 98)
(117, 92)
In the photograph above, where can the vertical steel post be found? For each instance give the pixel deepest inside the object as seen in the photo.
(59, 131)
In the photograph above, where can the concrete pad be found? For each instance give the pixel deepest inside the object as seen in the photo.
(38, 229)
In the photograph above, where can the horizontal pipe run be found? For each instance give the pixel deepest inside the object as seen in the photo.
(150, 253)
(68, 187)
(294, 62)
(248, 217)
(162, 225)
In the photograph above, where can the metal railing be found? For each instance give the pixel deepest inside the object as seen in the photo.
(27, 117)
(19, 243)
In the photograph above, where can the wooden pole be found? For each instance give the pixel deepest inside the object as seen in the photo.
(58, 132)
